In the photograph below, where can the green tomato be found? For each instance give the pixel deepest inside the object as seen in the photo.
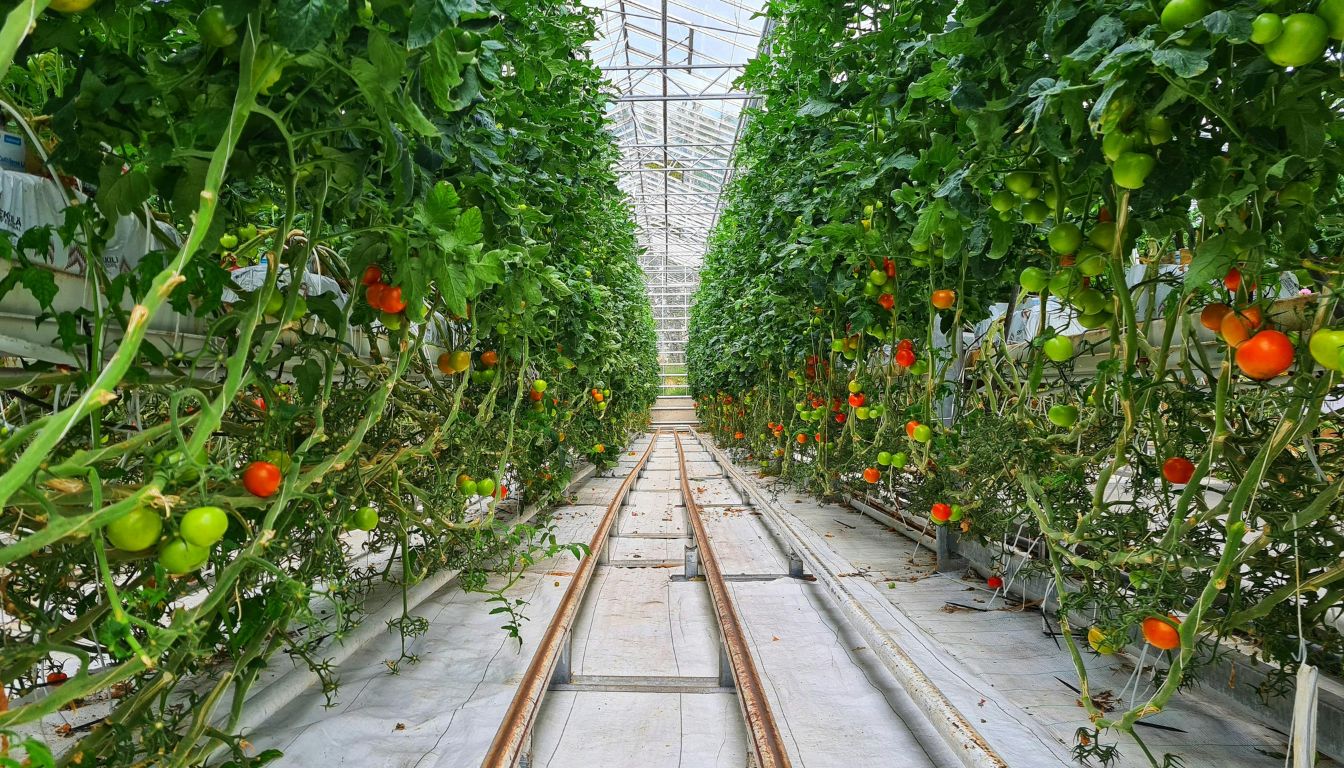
(275, 304)
(365, 519)
(1035, 212)
(203, 526)
(1302, 41)
(1132, 169)
(1089, 301)
(877, 277)
(923, 433)
(390, 321)
(300, 310)
(1159, 129)
(957, 514)
(1003, 201)
(1033, 279)
(1065, 282)
(854, 387)
(1065, 237)
(1092, 265)
(1102, 235)
(136, 530)
(1297, 193)
(1058, 348)
(1019, 182)
(1063, 415)
(468, 488)
(247, 232)
(1327, 348)
(1333, 13)
(1117, 142)
(884, 458)
(870, 290)
(215, 31)
(539, 385)
(228, 242)
(920, 367)
(180, 556)
(1181, 13)
(862, 412)
(837, 345)
(899, 460)
(1095, 320)
(485, 486)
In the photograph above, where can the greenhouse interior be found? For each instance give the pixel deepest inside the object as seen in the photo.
(672, 383)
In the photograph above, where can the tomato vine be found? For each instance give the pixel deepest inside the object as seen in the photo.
(1001, 224)
(440, 176)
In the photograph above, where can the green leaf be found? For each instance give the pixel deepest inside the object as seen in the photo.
(431, 17)
(1103, 35)
(440, 207)
(1185, 62)
(816, 107)
(468, 228)
(1212, 259)
(41, 283)
(121, 194)
(306, 24)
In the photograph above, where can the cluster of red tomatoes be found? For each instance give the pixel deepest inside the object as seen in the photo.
(381, 296)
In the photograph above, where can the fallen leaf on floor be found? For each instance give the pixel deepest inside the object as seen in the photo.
(559, 573)
(950, 608)
(399, 727)
(982, 703)
(774, 638)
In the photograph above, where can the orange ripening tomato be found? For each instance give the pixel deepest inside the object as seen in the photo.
(802, 438)
(738, 435)
(1265, 355)
(535, 396)
(489, 358)
(1161, 633)
(372, 274)
(1238, 325)
(910, 427)
(944, 299)
(1233, 280)
(1212, 315)
(872, 475)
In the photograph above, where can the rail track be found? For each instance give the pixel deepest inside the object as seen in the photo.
(683, 579)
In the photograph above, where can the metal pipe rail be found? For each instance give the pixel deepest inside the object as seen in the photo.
(766, 743)
(512, 738)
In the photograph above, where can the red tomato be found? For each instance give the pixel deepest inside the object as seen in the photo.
(872, 475)
(738, 435)
(889, 267)
(994, 582)
(1104, 215)
(940, 512)
(392, 301)
(535, 396)
(372, 274)
(1233, 280)
(887, 301)
(260, 402)
(802, 438)
(1265, 355)
(1161, 632)
(1178, 470)
(856, 400)
(910, 428)
(905, 358)
(56, 678)
(374, 295)
(490, 358)
(839, 418)
(905, 344)
(261, 478)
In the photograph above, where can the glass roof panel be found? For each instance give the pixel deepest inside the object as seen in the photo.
(677, 117)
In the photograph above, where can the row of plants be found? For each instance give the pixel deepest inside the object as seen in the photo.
(175, 508)
(1165, 177)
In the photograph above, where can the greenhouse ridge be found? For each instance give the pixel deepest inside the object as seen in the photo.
(667, 383)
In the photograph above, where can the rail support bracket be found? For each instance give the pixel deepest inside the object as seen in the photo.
(725, 667)
(692, 566)
(795, 565)
(563, 674)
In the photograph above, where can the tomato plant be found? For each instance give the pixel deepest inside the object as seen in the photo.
(357, 190)
(1115, 225)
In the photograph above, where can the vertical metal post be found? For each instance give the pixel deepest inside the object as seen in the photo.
(725, 667)
(947, 559)
(795, 565)
(564, 669)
